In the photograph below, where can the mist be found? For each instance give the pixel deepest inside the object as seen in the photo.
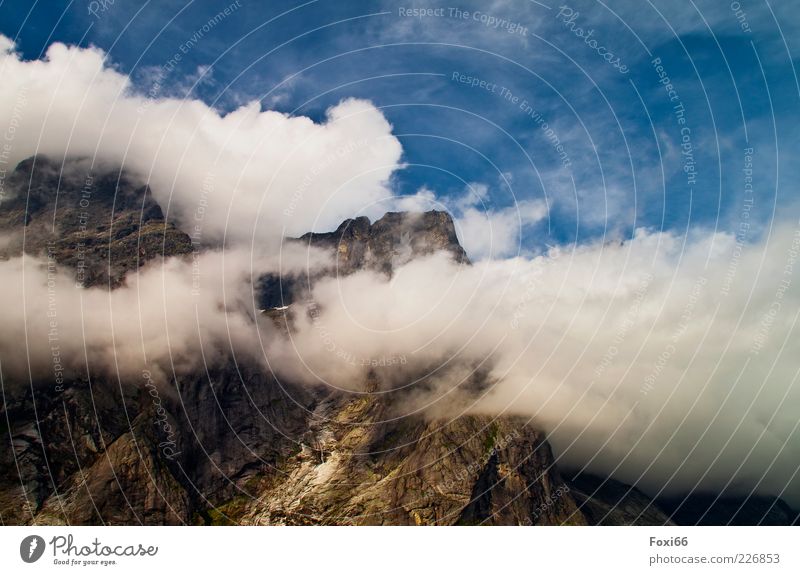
(173, 317)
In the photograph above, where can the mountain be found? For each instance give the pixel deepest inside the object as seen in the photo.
(246, 448)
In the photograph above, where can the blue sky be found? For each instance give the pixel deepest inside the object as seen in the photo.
(620, 135)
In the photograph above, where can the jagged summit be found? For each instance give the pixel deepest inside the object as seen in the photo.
(392, 240)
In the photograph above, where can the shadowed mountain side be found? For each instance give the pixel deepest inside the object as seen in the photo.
(100, 224)
(234, 444)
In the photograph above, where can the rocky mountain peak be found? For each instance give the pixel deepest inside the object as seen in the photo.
(392, 240)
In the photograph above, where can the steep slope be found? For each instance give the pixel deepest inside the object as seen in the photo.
(357, 467)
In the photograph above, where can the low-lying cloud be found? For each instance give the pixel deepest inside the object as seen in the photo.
(174, 316)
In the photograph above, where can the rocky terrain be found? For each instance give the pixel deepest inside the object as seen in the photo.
(245, 448)
(392, 240)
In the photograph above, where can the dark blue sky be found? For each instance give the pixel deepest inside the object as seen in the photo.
(732, 73)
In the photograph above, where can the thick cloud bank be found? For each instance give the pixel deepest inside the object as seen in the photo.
(173, 317)
(248, 173)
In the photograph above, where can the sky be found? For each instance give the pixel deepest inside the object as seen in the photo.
(481, 95)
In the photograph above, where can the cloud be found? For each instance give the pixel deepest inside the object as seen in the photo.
(173, 317)
(487, 232)
(255, 174)
(483, 230)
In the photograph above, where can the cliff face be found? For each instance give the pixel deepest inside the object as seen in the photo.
(357, 244)
(98, 452)
(243, 447)
(339, 462)
(354, 468)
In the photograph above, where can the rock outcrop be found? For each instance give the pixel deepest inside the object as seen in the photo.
(393, 240)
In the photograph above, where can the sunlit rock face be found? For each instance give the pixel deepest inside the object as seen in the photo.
(393, 240)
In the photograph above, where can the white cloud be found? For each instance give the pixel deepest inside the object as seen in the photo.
(258, 171)
(179, 313)
(497, 233)
(487, 232)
